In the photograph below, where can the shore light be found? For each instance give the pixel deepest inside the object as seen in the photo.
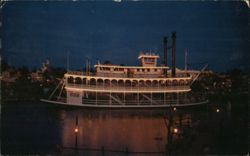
(76, 130)
(217, 110)
(175, 130)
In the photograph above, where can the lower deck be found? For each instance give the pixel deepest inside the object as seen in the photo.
(103, 105)
(97, 99)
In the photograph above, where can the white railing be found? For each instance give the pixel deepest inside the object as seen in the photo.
(145, 102)
(125, 76)
(104, 88)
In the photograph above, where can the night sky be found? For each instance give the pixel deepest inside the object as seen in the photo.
(213, 32)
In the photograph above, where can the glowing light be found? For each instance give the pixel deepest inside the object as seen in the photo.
(174, 108)
(117, 1)
(217, 110)
(76, 130)
(175, 130)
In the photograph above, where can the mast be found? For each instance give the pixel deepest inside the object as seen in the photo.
(87, 67)
(67, 61)
(186, 54)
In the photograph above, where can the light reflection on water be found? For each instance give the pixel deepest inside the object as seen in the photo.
(40, 128)
(135, 130)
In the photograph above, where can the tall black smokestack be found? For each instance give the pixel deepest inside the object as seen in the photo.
(173, 54)
(165, 48)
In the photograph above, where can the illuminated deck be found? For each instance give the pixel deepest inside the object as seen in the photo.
(126, 89)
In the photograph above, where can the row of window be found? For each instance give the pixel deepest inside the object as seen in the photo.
(149, 59)
(123, 69)
(147, 70)
(79, 81)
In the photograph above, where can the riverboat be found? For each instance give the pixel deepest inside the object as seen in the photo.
(119, 86)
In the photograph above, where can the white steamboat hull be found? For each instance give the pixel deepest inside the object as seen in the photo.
(124, 106)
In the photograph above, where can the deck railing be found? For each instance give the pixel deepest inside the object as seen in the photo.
(118, 75)
(145, 102)
(104, 88)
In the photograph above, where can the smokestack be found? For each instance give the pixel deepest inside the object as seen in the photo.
(173, 54)
(165, 44)
(165, 48)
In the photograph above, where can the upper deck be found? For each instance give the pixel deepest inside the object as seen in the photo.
(129, 71)
(148, 68)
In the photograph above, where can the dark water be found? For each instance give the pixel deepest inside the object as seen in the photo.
(40, 128)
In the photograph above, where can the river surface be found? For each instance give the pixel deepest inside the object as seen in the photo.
(40, 128)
